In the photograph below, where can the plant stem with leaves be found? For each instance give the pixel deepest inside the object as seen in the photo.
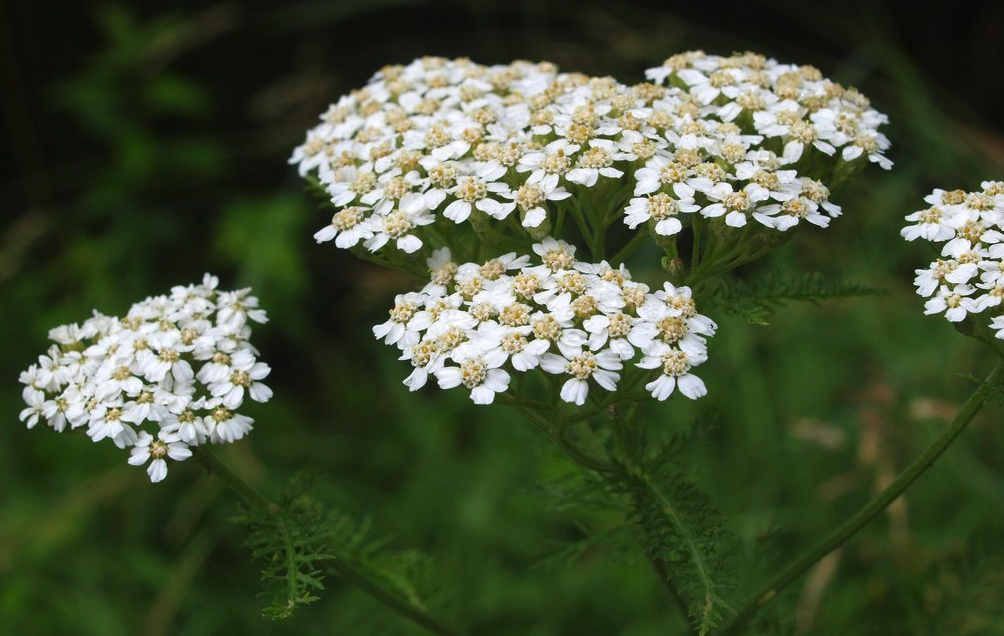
(682, 536)
(254, 498)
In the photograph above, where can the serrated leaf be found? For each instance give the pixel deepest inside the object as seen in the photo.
(685, 537)
(754, 300)
(296, 539)
(290, 541)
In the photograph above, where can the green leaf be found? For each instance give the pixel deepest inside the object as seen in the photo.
(686, 539)
(291, 542)
(296, 540)
(756, 299)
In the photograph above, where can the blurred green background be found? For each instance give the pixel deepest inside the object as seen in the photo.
(145, 144)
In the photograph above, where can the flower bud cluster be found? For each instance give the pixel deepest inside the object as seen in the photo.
(733, 137)
(169, 375)
(968, 278)
(474, 325)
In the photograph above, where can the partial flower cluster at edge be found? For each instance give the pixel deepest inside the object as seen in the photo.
(968, 277)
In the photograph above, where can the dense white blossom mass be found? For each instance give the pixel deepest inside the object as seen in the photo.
(968, 277)
(743, 138)
(475, 324)
(168, 376)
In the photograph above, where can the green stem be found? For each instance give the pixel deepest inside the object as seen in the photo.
(695, 255)
(558, 435)
(625, 252)
(861, 518)
(251, 495)
(580, 221)
(599, 245)
(634, 470)
(254, 498)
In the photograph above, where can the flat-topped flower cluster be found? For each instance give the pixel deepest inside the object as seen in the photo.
(968, 278)
(720, 137)
(169, 375)
(475, 324)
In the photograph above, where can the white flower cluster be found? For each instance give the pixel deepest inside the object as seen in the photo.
(169, 375)
(730, 137)
(476, 324)
(968, 278)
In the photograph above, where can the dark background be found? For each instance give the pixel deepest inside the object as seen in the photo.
(146, 143)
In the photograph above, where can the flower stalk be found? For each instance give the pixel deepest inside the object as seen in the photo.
(869, 511)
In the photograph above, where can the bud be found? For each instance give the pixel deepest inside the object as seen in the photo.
(674, 266)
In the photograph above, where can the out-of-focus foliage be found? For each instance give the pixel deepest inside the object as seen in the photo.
(146, 143)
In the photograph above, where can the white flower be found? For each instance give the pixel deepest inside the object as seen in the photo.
(530, 199)
(473, 192)
(509, 315)
(245, 374)
(669, 317)
(398, 225)
(235, 308)
(735, 205)
(189, 424)
(555, 254)
(515, 343)
(662, 208)
(132, 380)
(405, 308)
(582, 365)
(998, 324)
(30, 415)
(949, 301)
(154, 450)
(478, 371)
(675, 365)
(547, 166)
(348, 226)
(930, 224)
(595, 162)
(224, 425)
(660, 172)
(106, 422)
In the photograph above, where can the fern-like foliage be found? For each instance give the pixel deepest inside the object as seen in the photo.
(754, 300)
(291, 540)
(297, 540)
(685, 537)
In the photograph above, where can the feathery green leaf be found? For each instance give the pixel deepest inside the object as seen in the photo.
(291, 541)
(754, 300)
(687, 541)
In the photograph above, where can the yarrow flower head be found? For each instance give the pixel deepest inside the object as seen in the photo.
(968, 277)
(475, 325)
(169, 375)
(440, 143)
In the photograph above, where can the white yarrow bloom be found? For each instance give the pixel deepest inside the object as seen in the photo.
(167, 377)
(478, 371)
(155, 450)
(482, 323)
(675, 365)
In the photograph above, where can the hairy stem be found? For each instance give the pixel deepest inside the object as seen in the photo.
(253, 497)
(868, 512)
